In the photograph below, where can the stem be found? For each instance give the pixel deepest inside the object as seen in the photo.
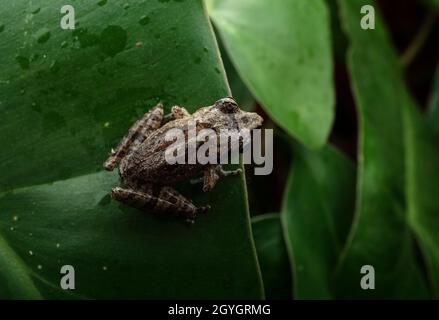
(419, 41)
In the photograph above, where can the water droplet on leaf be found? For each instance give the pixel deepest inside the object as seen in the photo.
(42, 35)
(34, 57)
(36, 108)
(113, 40)
(105, 200)
(54, 67)
(23, 62)
(144, 20)
(85, 38)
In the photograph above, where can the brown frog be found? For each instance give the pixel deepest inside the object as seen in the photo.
(143, 168)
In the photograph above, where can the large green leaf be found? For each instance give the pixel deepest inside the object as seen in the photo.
(272, 256)
(67, 97)
(282, 50)
(422, 169)
(380, 236)
(317, 212)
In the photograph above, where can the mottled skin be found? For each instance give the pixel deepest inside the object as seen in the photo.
(144, 170)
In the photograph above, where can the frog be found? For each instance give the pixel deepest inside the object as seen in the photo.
(149, 180)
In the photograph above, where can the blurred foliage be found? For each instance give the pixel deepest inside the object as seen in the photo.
(380, 236)
(398, 163)
(272, 255)
(317, 213)
(282, 50)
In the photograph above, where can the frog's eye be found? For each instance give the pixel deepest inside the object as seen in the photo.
(227, 105)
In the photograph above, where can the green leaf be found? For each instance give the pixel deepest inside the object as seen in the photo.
(317, 212)
(282, 51)
(65, 100)
(14, 277)
(272, 256)
(380, 235)
(422, 170)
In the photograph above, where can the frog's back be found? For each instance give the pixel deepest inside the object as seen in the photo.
(148, 163)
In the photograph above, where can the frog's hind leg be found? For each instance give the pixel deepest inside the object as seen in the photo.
(140, 130)
(180, 202)
(162, 200)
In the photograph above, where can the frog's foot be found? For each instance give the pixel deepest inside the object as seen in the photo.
(174, 196)
(203, 209)
(225, 173)
(200, 210)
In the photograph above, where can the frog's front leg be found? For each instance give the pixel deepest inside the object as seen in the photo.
(213, 173)
(179, 112)
(140, 130)
(160, 200)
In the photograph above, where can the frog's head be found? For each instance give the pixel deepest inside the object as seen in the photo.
(226, 118)
(228, 112)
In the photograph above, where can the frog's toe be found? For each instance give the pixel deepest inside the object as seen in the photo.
(203, 209)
